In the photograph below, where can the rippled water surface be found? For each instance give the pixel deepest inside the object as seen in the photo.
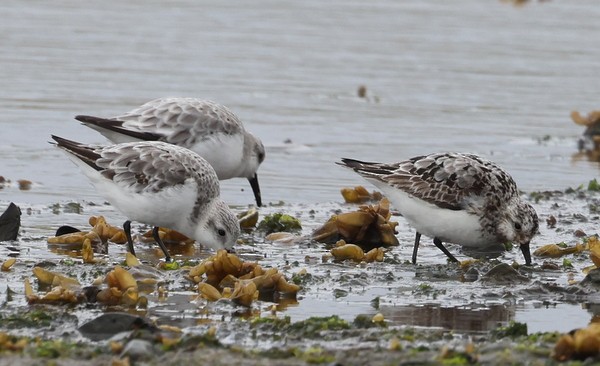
(476, 76)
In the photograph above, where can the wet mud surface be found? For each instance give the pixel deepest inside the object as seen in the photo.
(431, 311)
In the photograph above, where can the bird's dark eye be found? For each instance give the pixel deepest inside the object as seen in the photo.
(221, 232)
(517, 226)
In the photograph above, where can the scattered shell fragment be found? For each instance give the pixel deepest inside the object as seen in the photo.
(64, 289)
(53, 278)
(359, 194)
(29, 294)
(130, 296)
(122, 288)
(579, 344)
(593, 245)
(362, 91)
(109, 296)
(555, 251)
(168, 236)
(100, 233)
(120, 278)
(87, 252)
(283, 237)
(11, 343)
(378, 318)
(170, 328)
(344, 251)
(248, 219)
(24, 184)
(244, 292)
(107, 232)
(57, 294)
(7, 264)
(374, 255)
(76, 239)
(589, 143)
(285, 287)
(209, 292)
(131, 260)
(593, 117)
(348, 251)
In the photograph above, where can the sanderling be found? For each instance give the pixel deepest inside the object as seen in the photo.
(211, 130)
(455, 198)
(158, 184)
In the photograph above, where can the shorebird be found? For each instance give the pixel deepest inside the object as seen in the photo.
(210, 129)
(455, 198)
(158, 184)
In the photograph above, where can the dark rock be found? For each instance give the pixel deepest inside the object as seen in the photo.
(65, 229)
(471, 275)
(593, 277)
(107, 325)
(10, 221)
(504, 274)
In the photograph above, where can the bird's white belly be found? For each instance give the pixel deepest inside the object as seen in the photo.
(169, 208)
(450, 226)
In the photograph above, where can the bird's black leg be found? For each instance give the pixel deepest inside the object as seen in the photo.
(127, 229)
(416, 247)
(438, 243)
(161, 244)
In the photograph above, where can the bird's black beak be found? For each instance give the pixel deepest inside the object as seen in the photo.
(255, 189)
(526, 253)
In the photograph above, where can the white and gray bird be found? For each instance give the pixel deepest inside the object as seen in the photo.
(210, 129)
(455, 198)
(158, 184)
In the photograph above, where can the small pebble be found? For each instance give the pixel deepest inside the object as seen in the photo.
(138, 349)
(362, 91)
(24, 184)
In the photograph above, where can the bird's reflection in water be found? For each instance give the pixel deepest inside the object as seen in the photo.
(469, 318)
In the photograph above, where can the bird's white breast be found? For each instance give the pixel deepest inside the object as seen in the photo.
(224, 152)
(451, 226)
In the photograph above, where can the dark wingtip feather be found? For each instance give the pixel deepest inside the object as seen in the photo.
(98, 121)
(365, 167)
(83, 152)
(60, 141)
(69, 145)
(117, 126)
(84, 118)
(351, 163)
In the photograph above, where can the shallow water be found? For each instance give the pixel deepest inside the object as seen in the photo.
(483, 77)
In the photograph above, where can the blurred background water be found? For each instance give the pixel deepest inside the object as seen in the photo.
(468, 75)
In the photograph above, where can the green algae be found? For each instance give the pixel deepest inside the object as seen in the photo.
(512, 330)
(279, 222)
(27, 319)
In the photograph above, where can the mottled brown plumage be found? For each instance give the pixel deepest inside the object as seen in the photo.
(455, 197)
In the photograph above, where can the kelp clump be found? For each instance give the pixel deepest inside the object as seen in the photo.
(369, 227)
